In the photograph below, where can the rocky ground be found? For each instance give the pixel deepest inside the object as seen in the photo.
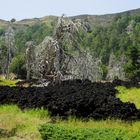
(80, 98)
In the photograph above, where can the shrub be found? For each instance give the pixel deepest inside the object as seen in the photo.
(13, 20)
(55, 132)
(18, 67)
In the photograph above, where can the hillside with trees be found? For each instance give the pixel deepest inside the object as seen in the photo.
(112, 39)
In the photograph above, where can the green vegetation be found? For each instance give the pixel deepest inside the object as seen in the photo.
(15, 124)
(132, 68)
(122, 38)
(36, 33)
(1, 31)
(18, 66)
(6, 82)
(129, 95)
(55, 132)
(36, 123)
(13, 20)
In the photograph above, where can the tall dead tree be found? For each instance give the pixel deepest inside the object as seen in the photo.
(116, 67)
(51, 54)
(65, 33)
(60, 56)
(10, 44)
(30, 58)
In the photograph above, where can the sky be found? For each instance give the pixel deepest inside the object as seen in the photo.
(22, 9)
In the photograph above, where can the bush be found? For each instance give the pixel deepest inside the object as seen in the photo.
(13, 20)
(18, 67)
(55, 132)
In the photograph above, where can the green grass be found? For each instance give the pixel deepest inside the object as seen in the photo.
(5, 82)
(99, 124)
(56, 132)
(24, 123)
(129, 95)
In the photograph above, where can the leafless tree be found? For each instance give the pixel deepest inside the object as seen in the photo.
(116, 67)
(30, 58)
(10, 44)
(60, 56)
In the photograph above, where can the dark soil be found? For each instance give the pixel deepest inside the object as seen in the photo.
(79, 98)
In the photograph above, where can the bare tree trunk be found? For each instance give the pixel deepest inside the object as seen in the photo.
(30, 58)
(10, 44)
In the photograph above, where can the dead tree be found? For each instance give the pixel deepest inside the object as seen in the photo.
(54, 57)
(66, 32)
(10, 44)
(51, 56)
(29, 59)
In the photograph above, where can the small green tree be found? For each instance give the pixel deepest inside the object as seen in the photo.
(13, 20)
(132, 68)
(18, 67)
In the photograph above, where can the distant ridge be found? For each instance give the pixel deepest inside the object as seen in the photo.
(105, 19)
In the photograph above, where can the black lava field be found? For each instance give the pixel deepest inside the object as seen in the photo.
(79, 98)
